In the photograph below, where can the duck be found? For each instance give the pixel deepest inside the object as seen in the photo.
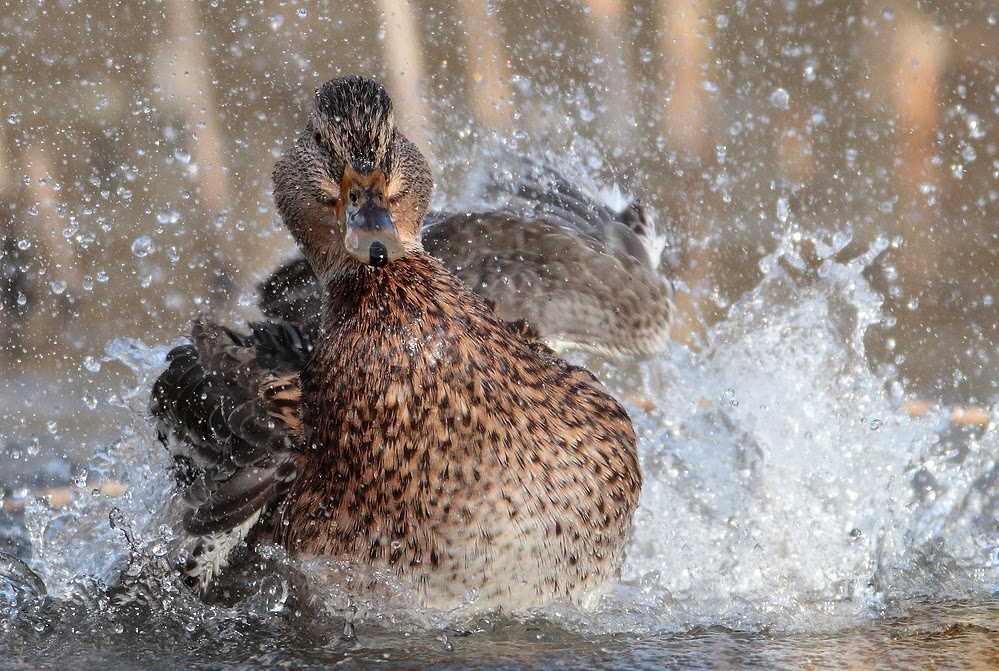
(410, 428)
(542, 251)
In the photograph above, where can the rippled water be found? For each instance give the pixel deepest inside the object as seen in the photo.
(793, 515)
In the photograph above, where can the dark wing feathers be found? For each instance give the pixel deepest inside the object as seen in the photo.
(291, 293)
(214, 400)
(282, 347)
(237, 498)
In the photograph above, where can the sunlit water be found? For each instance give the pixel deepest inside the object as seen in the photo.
(792, 510)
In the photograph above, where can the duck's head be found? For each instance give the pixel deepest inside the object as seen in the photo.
(353, 190)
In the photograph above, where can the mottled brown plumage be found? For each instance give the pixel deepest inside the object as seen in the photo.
(464, 457)
(412, 429)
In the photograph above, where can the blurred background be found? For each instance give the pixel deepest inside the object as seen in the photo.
(137, 141)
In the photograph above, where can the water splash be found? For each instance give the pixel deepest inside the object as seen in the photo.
(781, 471)
(785, 486)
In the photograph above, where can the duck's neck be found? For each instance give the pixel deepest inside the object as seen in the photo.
(383, 300)
(386, 334)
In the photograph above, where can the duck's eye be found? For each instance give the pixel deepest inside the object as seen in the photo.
(353, 197)
(319, 139)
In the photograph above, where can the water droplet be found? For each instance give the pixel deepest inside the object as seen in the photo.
(276, 21)
(13, 118)
(780, 99)
(86, 240)
(182, 155)
(116, 518)
(302, 12)
(90, 400)
(91, 364)
(783, 209)
(168, 215)
(58, 287)
(80, 479)
(811, 67)
(876, 424)
(142, 246)
(24, 245)
(975, 130)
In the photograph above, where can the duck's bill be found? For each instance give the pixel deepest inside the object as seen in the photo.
(371, 236)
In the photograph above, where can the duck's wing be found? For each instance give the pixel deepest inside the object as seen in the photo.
(572, 291)
(229, 402)
(532, 189)
(292, 293)
(583, 274)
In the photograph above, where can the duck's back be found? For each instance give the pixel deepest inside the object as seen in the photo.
(442, 445)
(579, 292)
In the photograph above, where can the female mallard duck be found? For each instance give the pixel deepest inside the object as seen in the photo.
(412, 429)
(577, 273)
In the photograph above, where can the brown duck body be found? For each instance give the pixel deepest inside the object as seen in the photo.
(399, 423)
(440, 444)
